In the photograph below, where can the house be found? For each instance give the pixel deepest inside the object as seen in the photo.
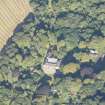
(51, 63)
(52, 60)
(93, 51)
(43, 90)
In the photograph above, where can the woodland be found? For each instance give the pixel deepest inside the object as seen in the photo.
(77, 28)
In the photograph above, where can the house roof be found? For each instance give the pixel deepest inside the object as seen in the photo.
(43, 90)
(52, 60)
(93, 51)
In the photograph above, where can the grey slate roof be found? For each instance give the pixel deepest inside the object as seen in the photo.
(43, 90)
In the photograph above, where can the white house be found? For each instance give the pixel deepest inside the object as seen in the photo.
(51, 65)
(52, 60)
(92, 51)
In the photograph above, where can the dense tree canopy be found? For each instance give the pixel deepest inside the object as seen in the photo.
(77, 29)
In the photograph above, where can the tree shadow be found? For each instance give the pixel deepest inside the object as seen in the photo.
(44, 79)
(99, 65)
(69, 57)
(29, 18)
(96, 67)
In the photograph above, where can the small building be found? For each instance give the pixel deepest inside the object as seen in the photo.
(43, 90)
(52, 60)
(51, 63)
(41, 93)
(93, 51)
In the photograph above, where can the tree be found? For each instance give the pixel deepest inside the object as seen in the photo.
(21, 100)
(87, 90)
(71, 26)
(23, 42)
(71, 68)
(101, 75)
